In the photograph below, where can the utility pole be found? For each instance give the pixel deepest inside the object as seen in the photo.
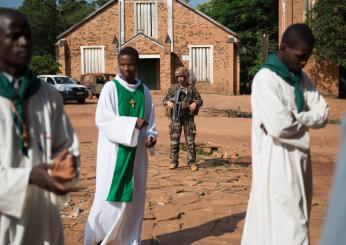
(265, 42)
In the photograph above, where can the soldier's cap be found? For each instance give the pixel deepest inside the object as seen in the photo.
(181, 71)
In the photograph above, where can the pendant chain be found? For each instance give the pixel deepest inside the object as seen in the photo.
(25, 135)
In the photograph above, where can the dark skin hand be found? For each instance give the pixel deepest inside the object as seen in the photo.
(150, 142)
(62, 170)
(141, 123)
(39, 176)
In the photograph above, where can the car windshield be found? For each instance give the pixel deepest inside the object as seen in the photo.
(64, 80)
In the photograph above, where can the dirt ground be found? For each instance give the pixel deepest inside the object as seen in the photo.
(205, 207)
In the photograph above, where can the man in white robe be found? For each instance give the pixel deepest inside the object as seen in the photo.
(112, 220)
(285, 105)
(35, 134)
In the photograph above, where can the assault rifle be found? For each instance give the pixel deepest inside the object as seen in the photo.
(178, 105)
(181, 105)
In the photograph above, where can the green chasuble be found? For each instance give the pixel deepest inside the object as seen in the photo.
(294, 79)
(129, 104)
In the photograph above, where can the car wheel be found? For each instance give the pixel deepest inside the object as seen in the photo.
(89, 93)
(81, 101)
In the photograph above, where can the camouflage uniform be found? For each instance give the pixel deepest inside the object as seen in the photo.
(186, 121)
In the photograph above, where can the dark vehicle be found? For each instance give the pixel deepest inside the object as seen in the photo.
(67, 87)
(95, 81)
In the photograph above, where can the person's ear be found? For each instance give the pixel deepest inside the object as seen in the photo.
(283, 47)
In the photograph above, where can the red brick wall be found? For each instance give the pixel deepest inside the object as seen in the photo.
(129, 20)
(97, 31)
(324, 75)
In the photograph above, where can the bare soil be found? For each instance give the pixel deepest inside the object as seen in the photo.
(208, 206)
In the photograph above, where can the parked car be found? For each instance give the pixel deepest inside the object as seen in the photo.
(67, 87)
(95, 81)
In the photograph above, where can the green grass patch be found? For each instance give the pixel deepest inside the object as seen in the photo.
(334, 121)
(198, 148)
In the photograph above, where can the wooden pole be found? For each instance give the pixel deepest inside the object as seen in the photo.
(265, 41)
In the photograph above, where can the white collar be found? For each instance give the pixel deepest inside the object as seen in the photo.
(14, 81)
(128, 86)
(8, 76)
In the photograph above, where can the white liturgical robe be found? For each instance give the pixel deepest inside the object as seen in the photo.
(281, 192)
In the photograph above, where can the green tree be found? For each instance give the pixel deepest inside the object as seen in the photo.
(44, 64)
(43, 17)
(250, 19)
(72, 11)
(328, 22)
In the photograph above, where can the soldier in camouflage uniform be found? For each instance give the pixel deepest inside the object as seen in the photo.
(191, 101)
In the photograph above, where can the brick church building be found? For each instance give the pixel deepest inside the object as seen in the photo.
(167, 33)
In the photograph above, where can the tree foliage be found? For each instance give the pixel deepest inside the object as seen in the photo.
(250, 19)
(44, 64)
(72, 11)
(328, 22)
(48, 18)
(44, 18)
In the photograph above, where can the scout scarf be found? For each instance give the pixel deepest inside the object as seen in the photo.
(29, 85)
(294, 79)
(129, 104)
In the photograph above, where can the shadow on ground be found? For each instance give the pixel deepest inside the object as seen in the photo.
(213, 228)
(218, 162)
(73, 102)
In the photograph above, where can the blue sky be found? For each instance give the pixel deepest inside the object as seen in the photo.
(194, 2)
(16, 3)
(10, 3)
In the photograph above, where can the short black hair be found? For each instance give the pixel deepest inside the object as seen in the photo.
(298, 33)
(6, 12)
(130, 51)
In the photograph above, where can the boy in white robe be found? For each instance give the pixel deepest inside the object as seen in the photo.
(285, 106)
(38, 147)
(125, 118)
